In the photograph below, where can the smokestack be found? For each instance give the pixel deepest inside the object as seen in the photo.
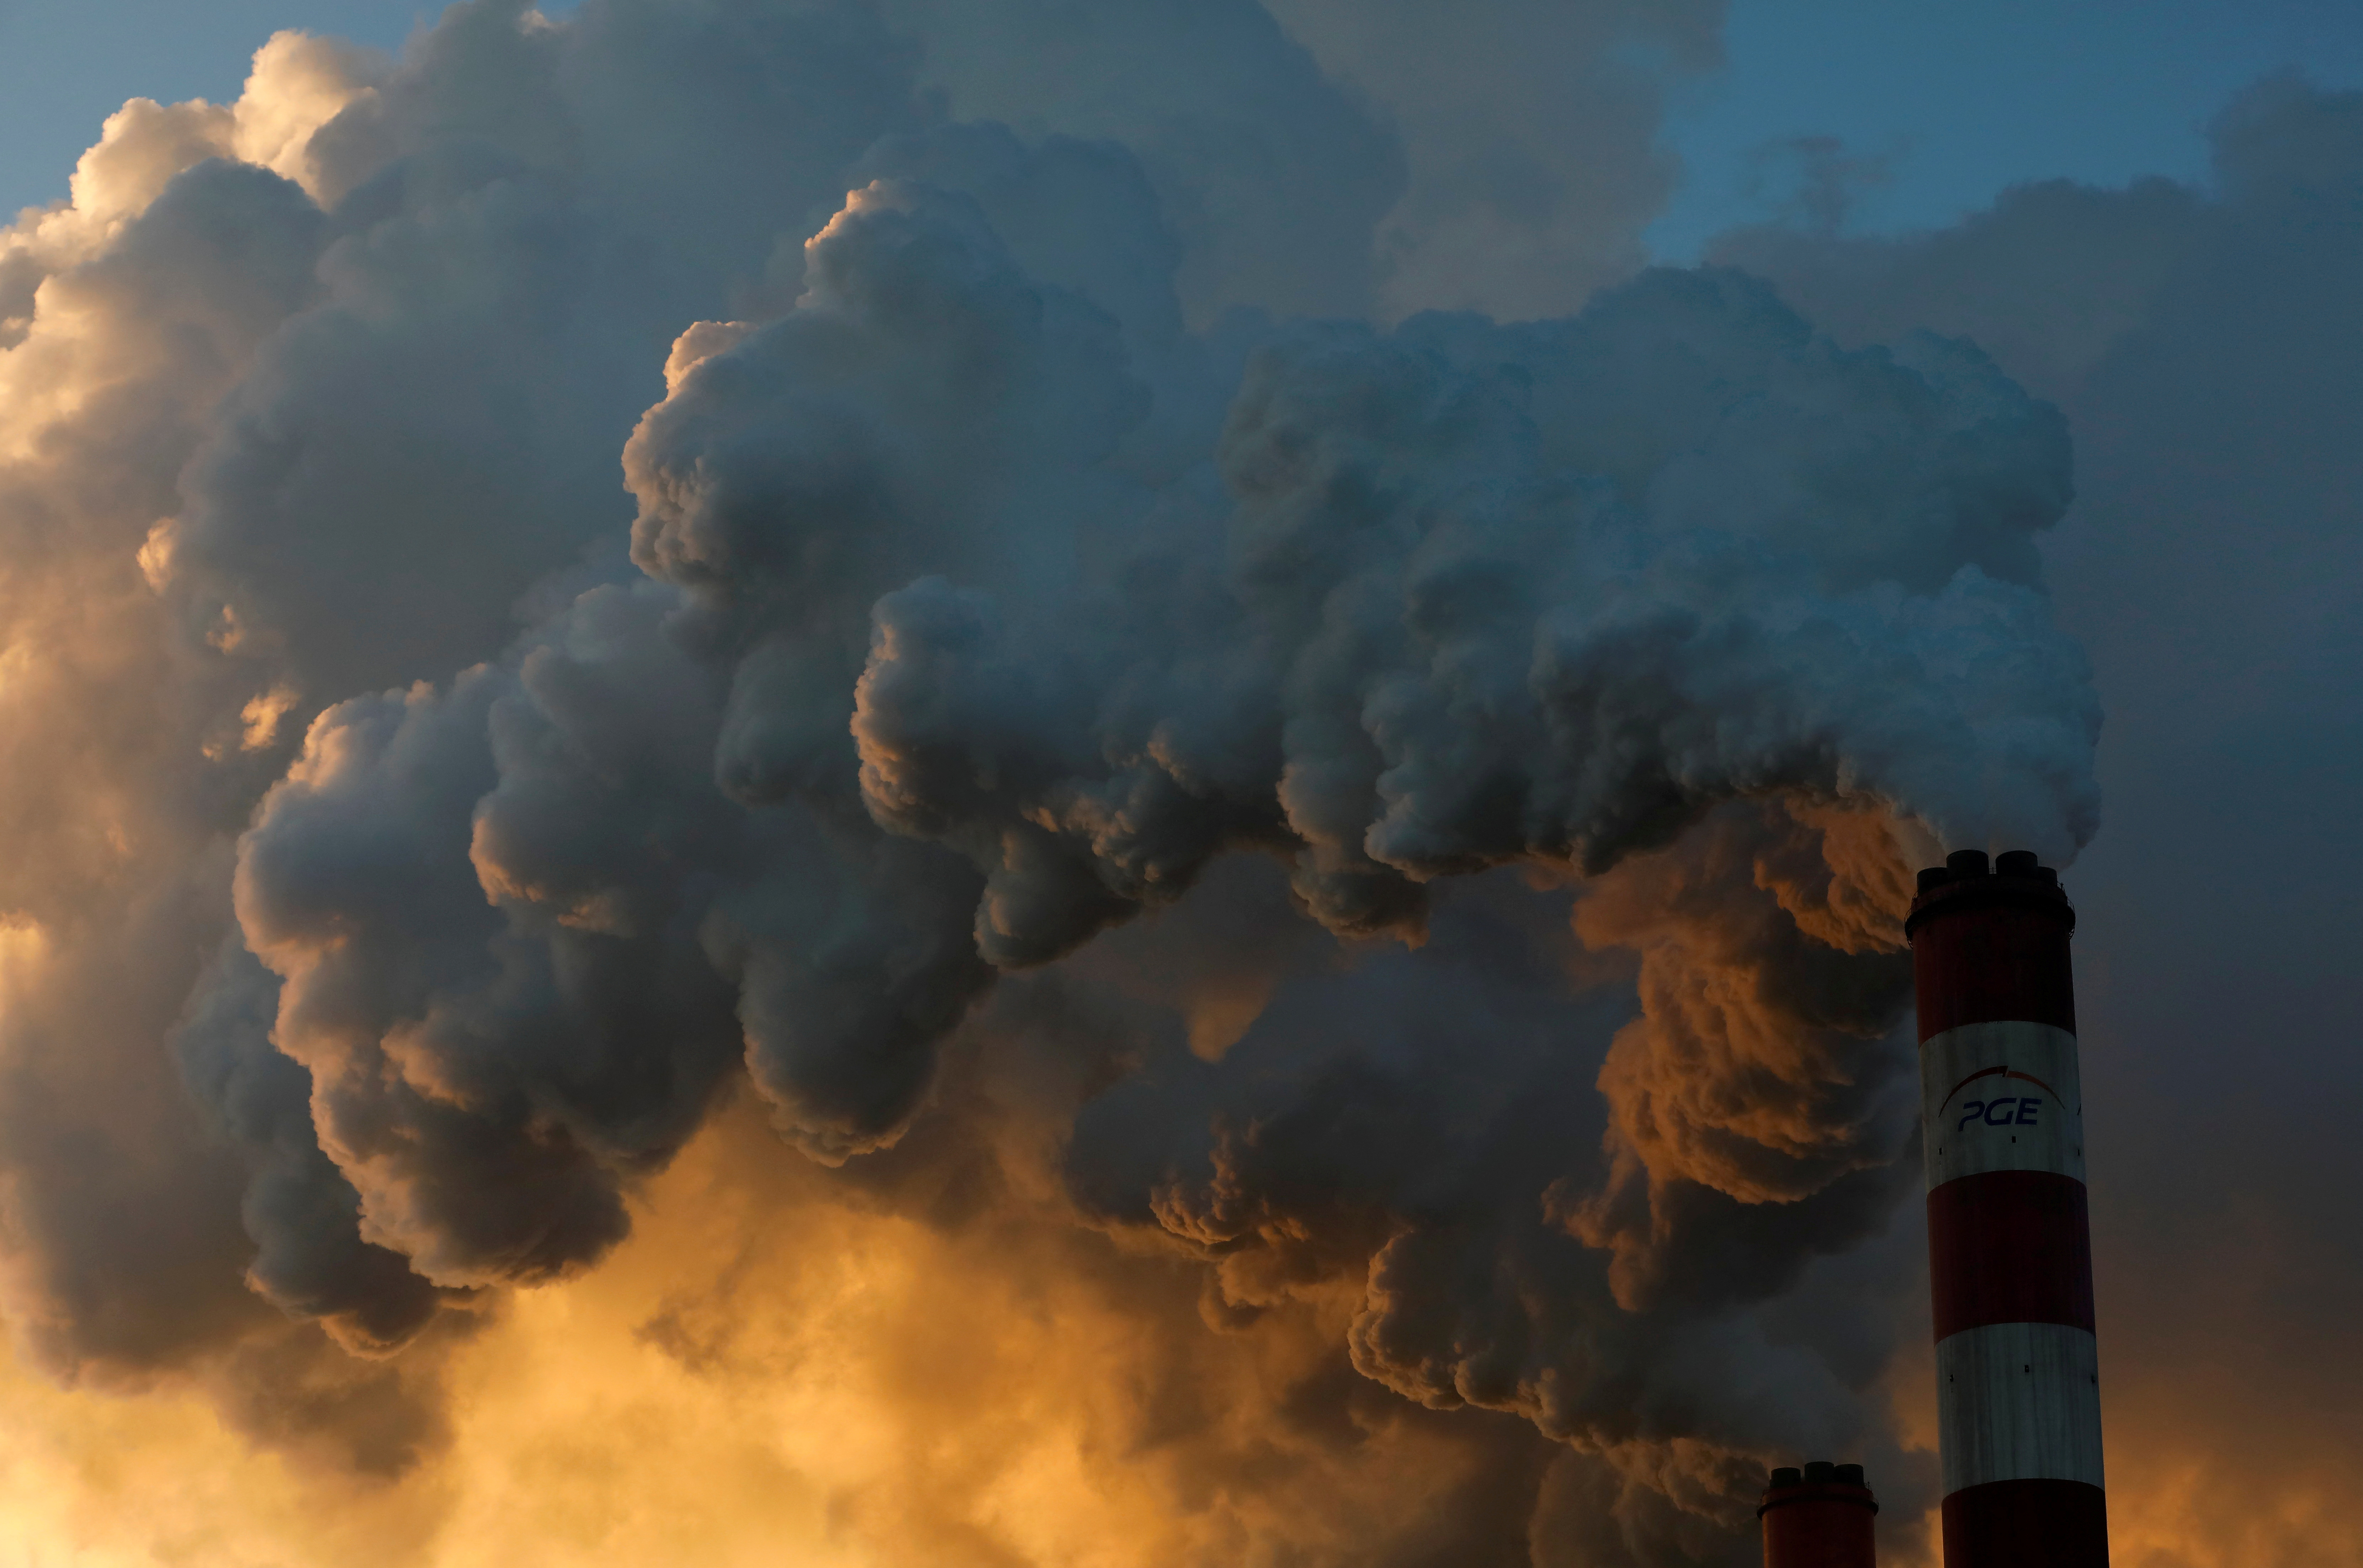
(2018, 1386)
(1818, 1517)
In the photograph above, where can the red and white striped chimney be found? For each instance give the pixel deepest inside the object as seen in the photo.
(2018, 1384)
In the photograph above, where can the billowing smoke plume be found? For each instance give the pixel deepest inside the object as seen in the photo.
(1436, 800)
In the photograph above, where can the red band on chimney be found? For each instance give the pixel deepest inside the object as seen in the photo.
(1982, 963)
(1818, 1525)
(2027, 1524)
(2010, 1246)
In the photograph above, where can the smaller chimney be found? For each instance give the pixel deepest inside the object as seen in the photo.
(1818, 1517)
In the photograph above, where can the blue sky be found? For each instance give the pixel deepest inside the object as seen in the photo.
(1933, 106)
(65, 65)
(1960, 101)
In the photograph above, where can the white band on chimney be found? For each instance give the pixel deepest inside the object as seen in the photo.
(2002, 1096)
(2018, 1402)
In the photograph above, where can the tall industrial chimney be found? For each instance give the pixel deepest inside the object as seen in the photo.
(2018, 1385)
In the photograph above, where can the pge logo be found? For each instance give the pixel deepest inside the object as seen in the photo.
(2000, 1113)
(2006, 1111)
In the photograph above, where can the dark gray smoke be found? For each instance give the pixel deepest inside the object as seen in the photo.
(1488, 756)
(1402, 627)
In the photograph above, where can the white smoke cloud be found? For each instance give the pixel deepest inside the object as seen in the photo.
(1466, 615)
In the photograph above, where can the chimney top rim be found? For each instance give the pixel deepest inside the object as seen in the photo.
(1816, 1492)
(1943, 890)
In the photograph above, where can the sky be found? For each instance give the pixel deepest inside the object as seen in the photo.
(1935, 109)
(1043, 782)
